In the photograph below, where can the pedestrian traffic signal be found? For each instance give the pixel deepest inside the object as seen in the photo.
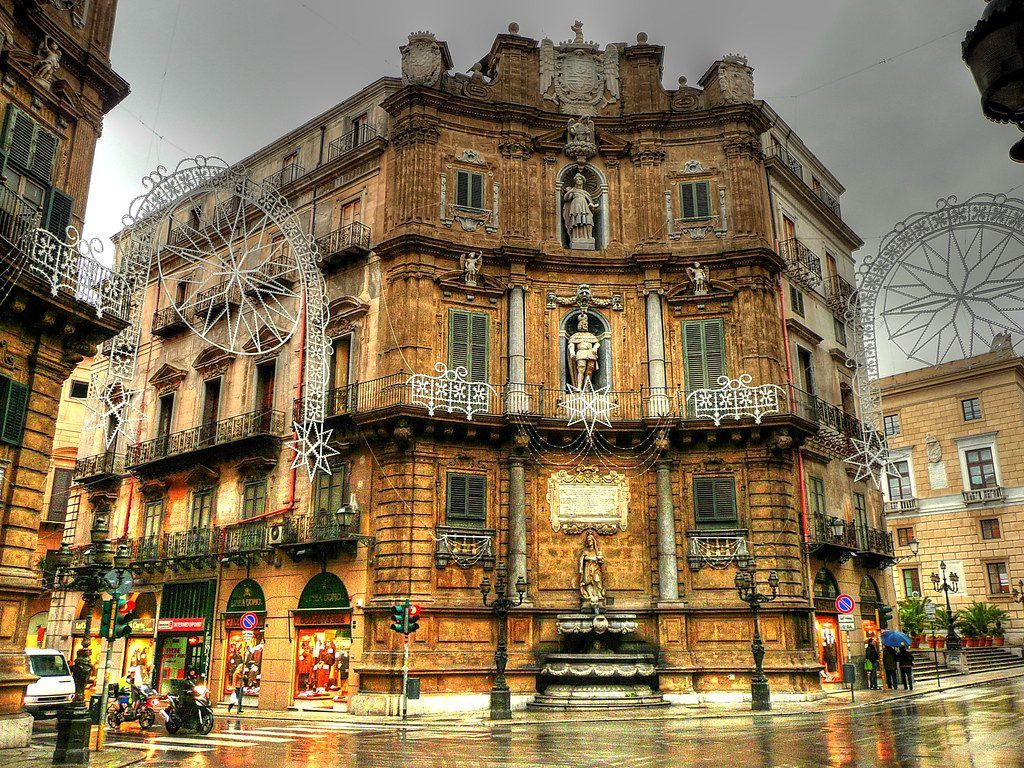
(413, 622)
(106, 611)
(884, 616)
(124, 617)
(398, 617)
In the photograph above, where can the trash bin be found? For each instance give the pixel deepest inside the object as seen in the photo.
(95, 702)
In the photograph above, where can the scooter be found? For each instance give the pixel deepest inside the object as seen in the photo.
(189, 708)
(133, 705)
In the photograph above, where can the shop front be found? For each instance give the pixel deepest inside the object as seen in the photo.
(829, 642)
(184, 632)
(140, 646)
(245, 619)
(323, 642)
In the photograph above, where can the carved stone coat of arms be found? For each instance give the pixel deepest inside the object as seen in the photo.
(423, 60)
(577, 75)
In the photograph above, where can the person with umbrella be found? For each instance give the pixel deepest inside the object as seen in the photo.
(905, 660)
(891, 640)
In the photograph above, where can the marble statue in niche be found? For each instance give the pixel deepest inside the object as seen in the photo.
(699, 278)
(591, 564)
(49, 56)
(583, 348)
(470, 264)
(578, 206)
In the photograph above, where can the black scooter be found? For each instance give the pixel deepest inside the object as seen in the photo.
(189, 708)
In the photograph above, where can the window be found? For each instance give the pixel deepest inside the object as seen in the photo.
(48, 665)
(714, 502)
(816, 494)
(971, 408)
(911, 582)
(13, 410)
(990, 529)
(898, 479)
(350, 212)
(165, 411)
(79, 389)
(359, 129)
(467, 342)
(201, 515)
(469, 190)
(340, 362)
(152, 515)
(466, 500)
(329, 490)
(703, 353)
(60, 493)
(695, 200)
(254, 498)
(805, 364)
(29, 146)
(904, 536)
(840, 330)
(981, 468)
(998, 578)
(860, 511)
(825, 585)
(796, 301)
(892, 424)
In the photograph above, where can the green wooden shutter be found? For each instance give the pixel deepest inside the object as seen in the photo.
(468, 342)
(695, 199)
(13, 409)
(476, 190)
(458, 339)
(44, 154)
(478, 346)
(703, 353)
(467, 500)
(57, 216)
(18, 133)
(456, 511)
(714, 500)
(703, 202)
(462, 188)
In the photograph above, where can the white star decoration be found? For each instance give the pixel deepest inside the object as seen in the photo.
(588, 406)
(871, 456)
(114, 411)
(311, 447)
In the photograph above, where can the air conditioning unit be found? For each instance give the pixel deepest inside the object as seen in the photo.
(276, 534)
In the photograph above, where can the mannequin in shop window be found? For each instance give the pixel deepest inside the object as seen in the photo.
(304, 667)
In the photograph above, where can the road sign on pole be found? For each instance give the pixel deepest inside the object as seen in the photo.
(845, 603)
(846, 622)
(929, 611)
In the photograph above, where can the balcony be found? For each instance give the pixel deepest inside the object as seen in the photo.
(147, 553)
(900, 506)
(830, 200)
(875, 547)
(246, 432)
(839, 295)
(102, 466)
(788, 159)
(315, 536)
(213, 303)
(465, 547)
(289, 173)
(352, 240)
(193, 548)
(718, 549)
(802, 264)
(832, 538)
(358, 136)
(245, 543)
(167, 322)
(988, 495)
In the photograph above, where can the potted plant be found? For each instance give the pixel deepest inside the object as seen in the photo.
(998, 634)
(941, 627)
(997, 616)
(913, 619)
(975, 620)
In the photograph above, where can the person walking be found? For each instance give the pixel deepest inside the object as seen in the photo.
(889, 664)
(905, 660)
(238, 683)
(871, 658)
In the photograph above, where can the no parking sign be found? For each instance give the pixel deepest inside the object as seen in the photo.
(248, 621)
(845, 603)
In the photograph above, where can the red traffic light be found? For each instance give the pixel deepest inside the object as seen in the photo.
(414, 611)
(126, 607)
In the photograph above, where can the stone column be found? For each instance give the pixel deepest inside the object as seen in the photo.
(668, 569)
(516, 522)
(658, 404)
(517, 399)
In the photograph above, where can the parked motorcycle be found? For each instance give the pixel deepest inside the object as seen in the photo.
(133, 705)
(189, 708)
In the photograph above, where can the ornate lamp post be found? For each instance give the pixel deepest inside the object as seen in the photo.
(746, 586)
(501, 696)
(994, 52)
(1018, 593)
(948, 584)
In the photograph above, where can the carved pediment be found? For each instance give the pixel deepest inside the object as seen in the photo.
(608, 144)
(212, 361)
(153, 490)
(345, 313)
(718, 290)
(255, 468)
(167, 378)
(265, 339)
(202, 477)
(454, 282)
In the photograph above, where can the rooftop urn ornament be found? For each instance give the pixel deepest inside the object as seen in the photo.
(699, 278)
(578, 214)
(583, 348)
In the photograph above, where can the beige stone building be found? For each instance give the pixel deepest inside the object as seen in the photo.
(956, 433)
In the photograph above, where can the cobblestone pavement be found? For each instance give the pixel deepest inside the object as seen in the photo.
(977, 726)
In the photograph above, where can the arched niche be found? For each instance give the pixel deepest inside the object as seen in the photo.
(597, 188)
(598, 325)
(825, 585)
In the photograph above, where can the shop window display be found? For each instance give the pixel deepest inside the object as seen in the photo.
(138, 656)
(829, 650)
(245, 663)
(321, 665)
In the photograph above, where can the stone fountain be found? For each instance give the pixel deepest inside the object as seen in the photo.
(599, 665)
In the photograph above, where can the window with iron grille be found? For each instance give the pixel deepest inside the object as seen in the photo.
(469, 190)
(971, 408)
(714, 502)
(329, 490)
(202, 508)
(911, 582)
(990, 529)
(695, 200)
(898, 479)
(466, 500)
(892, 424)
(981, 468)
(998, 578)
(904, 536)
(816, 494)
(254, 498)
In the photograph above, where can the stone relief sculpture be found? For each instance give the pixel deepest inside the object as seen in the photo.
(583, 348)
(580, 142)
(423, 60)
(700, 279)
(49, 56)
(932, 449)
(578, 208)
(591, 577)
(735, 80)
(577, 76)
(470, 264)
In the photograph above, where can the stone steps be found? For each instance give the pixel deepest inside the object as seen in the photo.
(978, 660)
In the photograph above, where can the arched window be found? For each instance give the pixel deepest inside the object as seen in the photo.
(583, 208)
(596, 326)
(869, 591)
(825, 584)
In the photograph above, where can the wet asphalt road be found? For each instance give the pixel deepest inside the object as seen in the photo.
(980, 727)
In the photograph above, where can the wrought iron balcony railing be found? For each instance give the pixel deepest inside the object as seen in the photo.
(839, 294)
(285, 176)
(236, 428)
(167, 321)
(896, 506)
(802, 264)
(465, 547)
(983, 495)
(791, 162)
(106, 464)
(875, 541)
(352, 239)
(244, 540)
(193, 543)
(788, 158)
(828, 199)
(837, 420)
(833, 531)
(213, 301)
(17, 218)
(354, 138)
(147, 549)
(317, 527)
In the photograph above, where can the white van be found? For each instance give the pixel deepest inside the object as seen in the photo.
(55, 688)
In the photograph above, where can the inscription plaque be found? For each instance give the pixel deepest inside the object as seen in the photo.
(588, 499)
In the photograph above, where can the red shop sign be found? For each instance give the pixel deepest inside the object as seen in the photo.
(181, 625)
(322, 619)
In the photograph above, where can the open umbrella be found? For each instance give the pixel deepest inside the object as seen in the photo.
(893, 639)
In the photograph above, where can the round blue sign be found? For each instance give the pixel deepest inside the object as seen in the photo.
(844, 604)
(248, 621)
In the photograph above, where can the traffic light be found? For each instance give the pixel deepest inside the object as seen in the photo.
(106, 611)
(884, 616)
(413, 622)
(398, 617)
(124, 618)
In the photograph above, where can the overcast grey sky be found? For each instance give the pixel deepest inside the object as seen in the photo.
(225, 77)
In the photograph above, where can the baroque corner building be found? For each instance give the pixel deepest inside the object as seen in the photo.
(582, 329)
(56, 302)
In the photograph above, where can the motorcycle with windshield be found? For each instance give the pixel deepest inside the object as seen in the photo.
(188, 708)
(130, 704)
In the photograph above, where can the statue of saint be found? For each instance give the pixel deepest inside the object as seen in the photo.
(471, 266)
(578, 214)
(49, 56)
(583, 348)
(591, 578)
(699, 278)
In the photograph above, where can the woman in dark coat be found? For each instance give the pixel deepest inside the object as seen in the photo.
(889, 664)
(905, 660)
(871, 658)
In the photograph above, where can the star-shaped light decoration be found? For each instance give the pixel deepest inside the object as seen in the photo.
(312, 447)
(113, 410)
(588, 406)
(871, 456)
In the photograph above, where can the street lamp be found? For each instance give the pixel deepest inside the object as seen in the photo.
(746, 586)
(346, 517)
(501, 696)
(1018, 594)
(915, 546)
(948, 584)
(994, 52)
